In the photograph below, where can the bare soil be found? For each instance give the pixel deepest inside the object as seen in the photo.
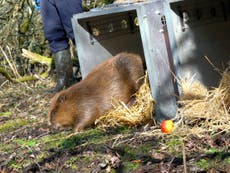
(28, 144)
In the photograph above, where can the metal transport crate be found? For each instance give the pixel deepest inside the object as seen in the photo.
(171, 36)
(197, 29)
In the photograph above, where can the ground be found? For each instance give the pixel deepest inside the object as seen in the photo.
(28, 144)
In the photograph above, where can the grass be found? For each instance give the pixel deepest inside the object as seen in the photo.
(5, 114)
(203, 164)
(174, 145)
(26, 140)
(72, 163)
(11, 125)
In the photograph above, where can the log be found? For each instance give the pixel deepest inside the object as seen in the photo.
(7, 75)
(34, 57)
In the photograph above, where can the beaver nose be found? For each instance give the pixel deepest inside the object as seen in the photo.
(56, 126)
(53, 125)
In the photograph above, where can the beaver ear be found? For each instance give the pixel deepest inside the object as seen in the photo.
(61, 98)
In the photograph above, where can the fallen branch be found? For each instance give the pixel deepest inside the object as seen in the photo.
(34, 57)
(23, 78)
(184, 157)
(27, 78)
(7, 76)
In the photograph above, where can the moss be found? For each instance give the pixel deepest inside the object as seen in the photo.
(5, 114)
(53, 140)
(26, 143)
(130, 166)
(129, 153)
(120, 130)
(18, 165)
(215, 159)
(72, 163)
(144, 149)
(174, 145)
(227, 160)
(6, 148)
(113, 171)
(15, 165)
(203, 164)
(134, 152)
(94, 136)
(11, 125)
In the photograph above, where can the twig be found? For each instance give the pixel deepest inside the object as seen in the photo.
(60, 166)
(215, 68)
(5, 82)
(170, 164)
(13, 64)
(7, 75)
(184, 157)
(125, 106)
(8, 61)
(31, 149)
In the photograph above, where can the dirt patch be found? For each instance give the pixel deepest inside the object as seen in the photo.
(29, 145)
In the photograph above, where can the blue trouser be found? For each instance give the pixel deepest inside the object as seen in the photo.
(56, 17)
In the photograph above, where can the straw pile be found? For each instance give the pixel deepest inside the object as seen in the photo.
(205, 110)
(138, 114)
(192, 90)
(202, 110)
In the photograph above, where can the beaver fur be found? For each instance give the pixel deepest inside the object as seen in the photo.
(81, 104)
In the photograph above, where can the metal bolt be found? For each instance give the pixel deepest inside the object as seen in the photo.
(161, 30)
(157, 12)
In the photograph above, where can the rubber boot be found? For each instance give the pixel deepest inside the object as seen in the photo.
(64, 70)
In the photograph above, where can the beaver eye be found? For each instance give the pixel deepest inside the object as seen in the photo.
(62, 98)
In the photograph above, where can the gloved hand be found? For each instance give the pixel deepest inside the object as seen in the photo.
(37, 4)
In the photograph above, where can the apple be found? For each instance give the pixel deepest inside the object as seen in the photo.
(167, 126)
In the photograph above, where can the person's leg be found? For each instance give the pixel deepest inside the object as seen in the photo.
(66, 10)
(58, 41)
(53, 28)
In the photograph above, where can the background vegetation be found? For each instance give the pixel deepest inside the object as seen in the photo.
(28, 144)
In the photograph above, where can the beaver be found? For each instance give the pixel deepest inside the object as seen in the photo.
(78, 106)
